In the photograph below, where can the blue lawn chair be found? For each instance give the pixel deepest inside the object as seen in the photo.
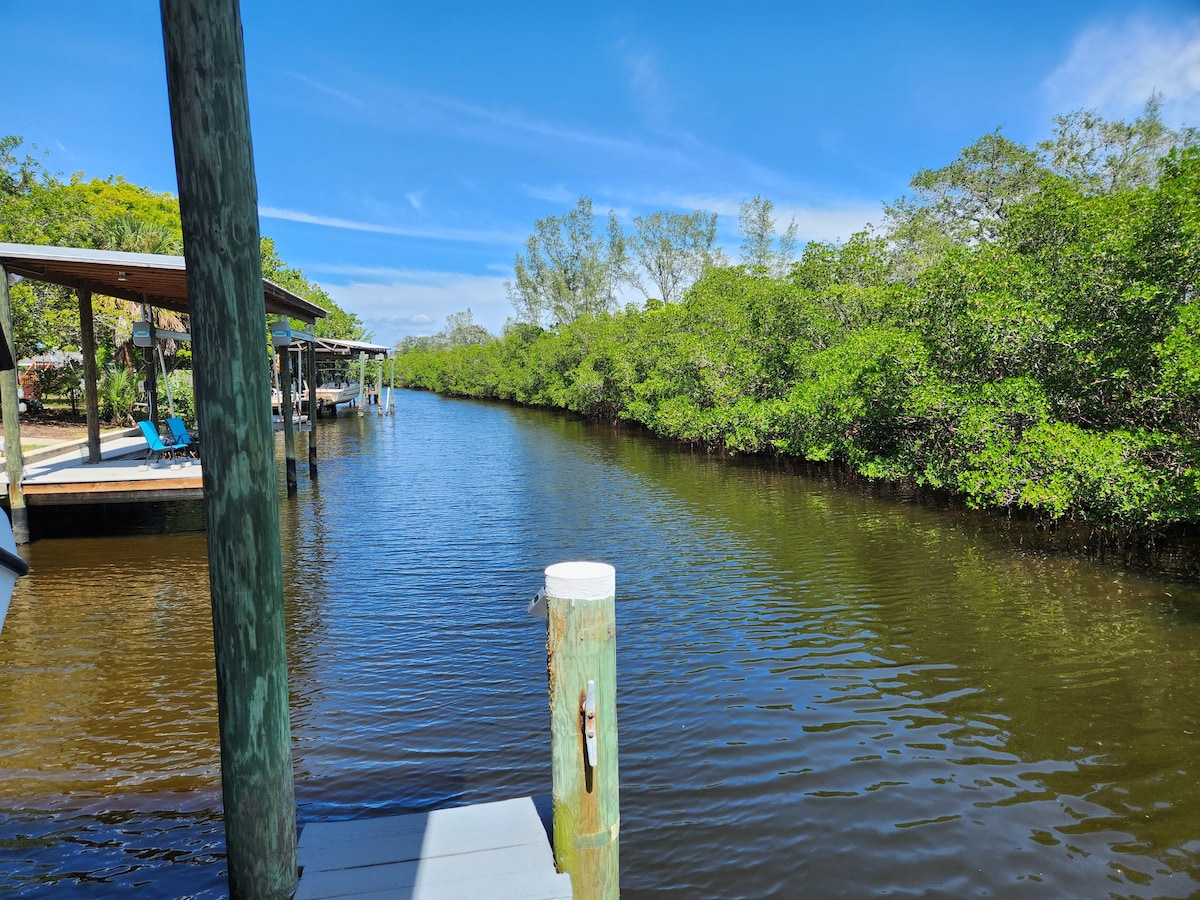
(155, 441)
(183, 438)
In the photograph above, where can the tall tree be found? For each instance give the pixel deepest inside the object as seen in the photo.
(462, 330)
(762, 249)
(669, 251)
(1100, 156)
(960, 204)
(968, 199)
(568, 269)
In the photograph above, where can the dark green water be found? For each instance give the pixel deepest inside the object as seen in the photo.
(821, 694)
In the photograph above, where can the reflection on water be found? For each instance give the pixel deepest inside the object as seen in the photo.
(819, 691)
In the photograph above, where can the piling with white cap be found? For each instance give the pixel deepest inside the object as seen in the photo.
(582, 662)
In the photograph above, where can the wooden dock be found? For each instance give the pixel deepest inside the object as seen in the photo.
(60, 475)
(495, 850)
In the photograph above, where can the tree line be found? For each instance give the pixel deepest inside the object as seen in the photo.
(1023, 329)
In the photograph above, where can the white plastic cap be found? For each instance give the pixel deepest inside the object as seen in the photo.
(581, 581)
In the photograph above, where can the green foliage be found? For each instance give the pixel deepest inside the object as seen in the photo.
(1022, 334)
(182, 392)
(63, 381)
(118, 393)
(338, 323)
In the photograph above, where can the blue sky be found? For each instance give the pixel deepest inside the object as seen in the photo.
(405, 150)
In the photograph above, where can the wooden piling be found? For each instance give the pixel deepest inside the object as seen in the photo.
(362, 382)
(379, 389)
(91, 396)
(582, 659)
(18, 513)
(206, 86)
(312, 406)
(392, 389)
(285, 410)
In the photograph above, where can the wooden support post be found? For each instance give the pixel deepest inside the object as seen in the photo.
(312, 405)
(362, 381)
(392, 389)
(10, 409)
(582, 661)
(379, 388)
(210, 123)
(289, 427)
(91, 395)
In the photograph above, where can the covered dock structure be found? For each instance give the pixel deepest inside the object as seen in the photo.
(330, 395)
(153, 281)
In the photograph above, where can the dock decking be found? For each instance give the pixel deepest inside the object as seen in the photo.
(495, 850)
(60, 475)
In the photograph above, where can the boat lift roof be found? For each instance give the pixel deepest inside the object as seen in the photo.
(335, 348)
(151, 278)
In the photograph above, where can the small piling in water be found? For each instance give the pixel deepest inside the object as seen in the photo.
(312, 409)
(289, 426)
(582, 661)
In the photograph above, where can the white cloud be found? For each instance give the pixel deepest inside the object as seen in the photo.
(326, 89)
(555, 194)
(394, 303)
(813, 222)
(828, 223)
(415, 198)
(1114, 67)
(646, 88)
(466, 235)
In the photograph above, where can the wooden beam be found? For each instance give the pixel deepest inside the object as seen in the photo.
(210, 123)
(52, 276)
(362, 381)
(289, 427)
(91, 394)
(312, 408)
(94, 492)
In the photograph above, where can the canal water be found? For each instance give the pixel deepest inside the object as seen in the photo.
(821, 694)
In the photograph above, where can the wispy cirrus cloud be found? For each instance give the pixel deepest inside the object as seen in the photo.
(433, 232)
(646, 84)
(326, 89)
(1113, 67)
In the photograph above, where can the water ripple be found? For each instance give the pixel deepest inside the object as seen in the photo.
(815, 688)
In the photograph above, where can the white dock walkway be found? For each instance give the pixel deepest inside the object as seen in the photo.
(497, 851)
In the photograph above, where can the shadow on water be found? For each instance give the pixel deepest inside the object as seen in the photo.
(61, 522)
(817, 687)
